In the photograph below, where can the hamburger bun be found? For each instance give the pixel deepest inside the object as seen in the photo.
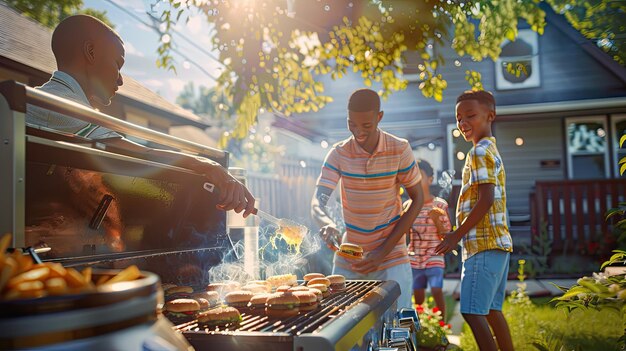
(178, 292)
(337, 282)
(257, 302)
(204, 304)
(350, 251)
(310, 276)
(282, 305)
(179, 289)
(298, 288)
(324, 281)
(308, 300)
(220, 316)
(212, 297)
(283, 288)
(166, 286)
(238, 298)
(317, 292)
(321, 287)
(284, 279)
(181, 310)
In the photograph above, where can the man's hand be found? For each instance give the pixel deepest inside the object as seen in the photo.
(235, 196)
(371, 261)
(331, 236)
(448, 243)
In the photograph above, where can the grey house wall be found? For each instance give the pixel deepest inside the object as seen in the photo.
(542, 141)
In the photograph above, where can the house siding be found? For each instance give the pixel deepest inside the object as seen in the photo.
(542, 141)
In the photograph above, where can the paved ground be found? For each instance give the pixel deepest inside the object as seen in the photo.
(534, 288)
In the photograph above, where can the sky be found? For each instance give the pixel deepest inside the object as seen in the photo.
(141, 43)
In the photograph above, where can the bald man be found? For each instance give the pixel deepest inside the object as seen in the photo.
(89, 56)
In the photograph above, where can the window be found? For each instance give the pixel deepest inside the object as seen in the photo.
(619, 129)
(587, 151)
(518, 64)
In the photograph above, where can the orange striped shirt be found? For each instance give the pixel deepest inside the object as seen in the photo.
(370, 191)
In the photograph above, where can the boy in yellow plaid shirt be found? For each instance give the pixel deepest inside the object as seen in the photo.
(482, 225)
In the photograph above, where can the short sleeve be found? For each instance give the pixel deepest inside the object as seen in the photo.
(483, 166)
(408, 171)
(331, 173)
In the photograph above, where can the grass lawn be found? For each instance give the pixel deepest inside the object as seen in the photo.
(539, 322)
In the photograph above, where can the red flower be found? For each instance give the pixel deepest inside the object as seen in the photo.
(441, 323)
(449, 326)
(419, 308)
(435, 309)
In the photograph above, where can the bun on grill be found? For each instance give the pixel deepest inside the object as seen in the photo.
(321, 288)
(181, 310)
(239, 298)
(282, 305)
(337, 282)
(220, 316)
(310, 276)
(285, 279)
(308, 300)
(322, 280)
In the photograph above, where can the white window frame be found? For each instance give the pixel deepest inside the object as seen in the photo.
(599, 119)
(530, 37)
(615, 142)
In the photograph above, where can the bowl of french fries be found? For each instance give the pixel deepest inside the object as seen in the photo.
(28, 288)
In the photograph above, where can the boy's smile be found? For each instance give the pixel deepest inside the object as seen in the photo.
(473, 119)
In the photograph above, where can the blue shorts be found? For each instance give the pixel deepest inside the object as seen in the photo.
(483, 282)
(433, 276)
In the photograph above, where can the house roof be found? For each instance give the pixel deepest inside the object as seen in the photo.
(27, 42)
(298, 127)
(593, 50)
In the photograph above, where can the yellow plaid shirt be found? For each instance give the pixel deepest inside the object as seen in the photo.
(483, 165)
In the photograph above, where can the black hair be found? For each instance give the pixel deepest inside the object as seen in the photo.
(426, 167)
(482, 96)
(364, 100)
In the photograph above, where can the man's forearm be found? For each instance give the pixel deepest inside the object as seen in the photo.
(402, 227)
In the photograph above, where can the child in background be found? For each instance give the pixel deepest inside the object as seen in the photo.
(425, 234)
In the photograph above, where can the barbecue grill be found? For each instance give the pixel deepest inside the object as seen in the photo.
(354, 317)
(170, 227)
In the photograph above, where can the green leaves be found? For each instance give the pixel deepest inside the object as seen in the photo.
(274, 61)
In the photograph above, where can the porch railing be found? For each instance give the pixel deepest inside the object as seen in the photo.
(573, 211)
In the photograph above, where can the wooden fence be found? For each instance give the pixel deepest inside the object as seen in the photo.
(288, 193)
(573, 211)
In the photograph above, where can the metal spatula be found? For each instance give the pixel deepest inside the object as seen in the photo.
(280, 222)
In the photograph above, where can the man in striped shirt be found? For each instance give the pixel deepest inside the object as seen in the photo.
(89, 57)
(372, 165)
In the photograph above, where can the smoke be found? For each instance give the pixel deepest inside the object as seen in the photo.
(445, 183)
(273, 257)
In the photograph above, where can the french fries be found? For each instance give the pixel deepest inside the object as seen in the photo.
(21, 279)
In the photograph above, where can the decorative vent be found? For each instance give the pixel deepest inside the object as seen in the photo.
(518, 64)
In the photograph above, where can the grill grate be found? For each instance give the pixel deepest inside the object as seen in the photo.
(309, 322)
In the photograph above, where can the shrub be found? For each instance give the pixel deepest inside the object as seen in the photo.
(433, 329)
